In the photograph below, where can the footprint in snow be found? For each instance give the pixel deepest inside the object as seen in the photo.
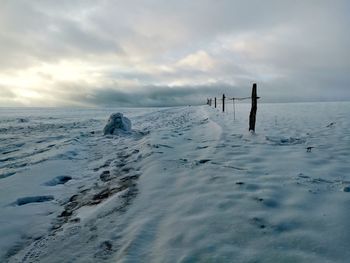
(161, 145)
(204, 121)
(33, 199)
(201, 147)
(104, 250)
(267, 202)
(105, 176)
(202, 161)
(2, 176)
(346, 189)
(58, 180)
(258, 222)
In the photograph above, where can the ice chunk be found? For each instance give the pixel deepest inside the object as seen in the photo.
(117, 123)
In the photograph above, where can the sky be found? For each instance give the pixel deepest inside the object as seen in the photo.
(172, 52)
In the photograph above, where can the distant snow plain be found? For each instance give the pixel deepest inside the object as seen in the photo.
(188, 184)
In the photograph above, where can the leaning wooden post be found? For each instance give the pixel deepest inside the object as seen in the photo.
(215, 102)
(223, 102)
(252, 116)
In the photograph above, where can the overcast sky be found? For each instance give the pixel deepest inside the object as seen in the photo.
(172, 52)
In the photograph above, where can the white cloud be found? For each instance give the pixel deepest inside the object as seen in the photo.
(199, 60)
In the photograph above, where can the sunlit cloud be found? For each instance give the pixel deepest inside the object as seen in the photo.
(197, 61)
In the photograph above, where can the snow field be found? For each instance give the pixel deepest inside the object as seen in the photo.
(190, 184)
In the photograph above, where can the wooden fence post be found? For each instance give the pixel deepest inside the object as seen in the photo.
(215, 102)
(234, 109)
(223, 102)
(252, 116)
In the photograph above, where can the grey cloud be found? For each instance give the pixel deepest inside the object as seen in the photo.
(154, 96)
(29, 35)
(147, 97)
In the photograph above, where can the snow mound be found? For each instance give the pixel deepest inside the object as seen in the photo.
(117, 123)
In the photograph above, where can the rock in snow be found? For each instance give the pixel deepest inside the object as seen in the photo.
(117, 123)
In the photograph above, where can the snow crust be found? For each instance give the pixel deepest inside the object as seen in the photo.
(190, 184)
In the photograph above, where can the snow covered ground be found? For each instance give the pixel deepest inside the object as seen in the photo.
(189, 184)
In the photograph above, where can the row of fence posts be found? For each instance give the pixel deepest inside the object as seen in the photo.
(252, 116)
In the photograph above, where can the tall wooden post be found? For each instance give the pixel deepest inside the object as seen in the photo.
(252, 116)
(223, 102)
(215, 102)
(234, 109)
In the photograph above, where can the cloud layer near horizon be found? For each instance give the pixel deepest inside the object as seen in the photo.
(158, 53)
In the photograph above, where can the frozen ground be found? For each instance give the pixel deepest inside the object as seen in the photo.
(189, 184)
